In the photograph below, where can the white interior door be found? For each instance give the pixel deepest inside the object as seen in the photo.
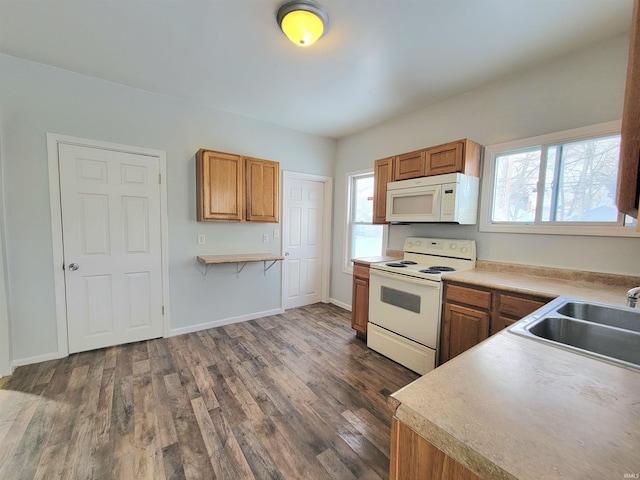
(303, 242)
(112, 246)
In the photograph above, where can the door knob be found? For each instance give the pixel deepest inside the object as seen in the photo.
(73, 267)
(286, 254)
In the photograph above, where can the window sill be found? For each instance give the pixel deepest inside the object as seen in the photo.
(578, 230)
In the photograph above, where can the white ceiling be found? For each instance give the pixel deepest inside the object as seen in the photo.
(379, 58)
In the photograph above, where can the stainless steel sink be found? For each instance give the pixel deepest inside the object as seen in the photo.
(600, 331)
(627, 319)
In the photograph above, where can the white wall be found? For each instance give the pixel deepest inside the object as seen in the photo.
(581, 89)
(37, 99)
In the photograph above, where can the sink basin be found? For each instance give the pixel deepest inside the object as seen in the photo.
(613, 317)
(604, 332)
(613, 343)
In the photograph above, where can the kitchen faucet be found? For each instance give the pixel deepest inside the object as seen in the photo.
(632, 297)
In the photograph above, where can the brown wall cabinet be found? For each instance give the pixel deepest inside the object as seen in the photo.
(414, 457)
(470, 314)
(409, 165)
(262, 190)
(233, 188)
(382, 174)
(220, 187)
(461, 156)
(360, 299)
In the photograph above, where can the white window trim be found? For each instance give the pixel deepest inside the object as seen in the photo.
(591, 229)
(347, 264)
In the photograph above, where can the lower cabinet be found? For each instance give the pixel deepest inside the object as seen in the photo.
(413, 457)
(467, 327)
(360, 299)
(470, 314)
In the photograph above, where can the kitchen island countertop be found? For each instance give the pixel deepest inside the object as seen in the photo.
(514, 408)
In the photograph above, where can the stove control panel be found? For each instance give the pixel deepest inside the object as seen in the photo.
(440, 246)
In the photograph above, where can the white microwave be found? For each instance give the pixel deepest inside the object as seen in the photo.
(451, 198)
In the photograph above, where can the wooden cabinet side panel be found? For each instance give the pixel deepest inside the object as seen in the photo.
(220, 192)
(414, 457)
(628, 190)
(472, 158)
(262, 183)
(409, 165)
(382, 174)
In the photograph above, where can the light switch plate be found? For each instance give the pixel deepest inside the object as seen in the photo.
(265, 237)
(202, 239)
(276, 233)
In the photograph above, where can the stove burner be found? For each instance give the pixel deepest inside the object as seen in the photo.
(408, 262)
(396, 264)
(442, 269)
(437, 269)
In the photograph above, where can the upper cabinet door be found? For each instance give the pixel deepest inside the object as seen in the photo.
(220, 189)
(409, 165)
(447, 158)
(382, 174)
(262, 190)
(461, 156)
(628, 191)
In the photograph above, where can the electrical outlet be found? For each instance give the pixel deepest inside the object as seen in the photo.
(265, 237)
(276, 233)
(202, 239)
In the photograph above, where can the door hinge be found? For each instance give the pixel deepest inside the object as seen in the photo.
(163, 309)
(160, 178)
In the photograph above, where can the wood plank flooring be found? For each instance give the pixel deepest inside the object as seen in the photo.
(291, 396)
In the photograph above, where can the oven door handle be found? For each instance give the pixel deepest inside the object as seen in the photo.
(406, 278)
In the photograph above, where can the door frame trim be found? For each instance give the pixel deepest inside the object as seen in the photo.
(326, 227)
(53, 140)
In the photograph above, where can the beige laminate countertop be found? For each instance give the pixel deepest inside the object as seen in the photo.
(514, 408)
(370, 260)
(524, 279)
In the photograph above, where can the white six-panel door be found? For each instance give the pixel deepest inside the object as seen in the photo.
(303, 242)
(112, 246)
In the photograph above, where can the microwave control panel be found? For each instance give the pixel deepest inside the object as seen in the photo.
(448, 207)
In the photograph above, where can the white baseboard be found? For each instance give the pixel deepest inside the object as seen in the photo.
(340, 304)
(224, 321)
(37, 359)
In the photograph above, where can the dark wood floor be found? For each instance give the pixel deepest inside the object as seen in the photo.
(293, 396)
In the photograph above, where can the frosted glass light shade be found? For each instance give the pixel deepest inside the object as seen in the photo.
(302, 28)
(302, 21)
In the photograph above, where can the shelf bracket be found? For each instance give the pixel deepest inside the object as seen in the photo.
(266, 269)
(238, 270)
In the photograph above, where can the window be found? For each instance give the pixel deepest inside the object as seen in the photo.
(364, 239)
(561, 183)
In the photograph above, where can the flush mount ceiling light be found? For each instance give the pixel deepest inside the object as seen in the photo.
(302, 21)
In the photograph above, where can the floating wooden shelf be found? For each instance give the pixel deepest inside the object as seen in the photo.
(240, 259)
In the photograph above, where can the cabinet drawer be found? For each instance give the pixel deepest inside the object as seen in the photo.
(517, 307)
(360, 271)
(468, 296)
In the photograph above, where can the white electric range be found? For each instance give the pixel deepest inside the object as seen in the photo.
(405, 299)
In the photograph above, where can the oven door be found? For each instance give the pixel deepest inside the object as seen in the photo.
(407, 306)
